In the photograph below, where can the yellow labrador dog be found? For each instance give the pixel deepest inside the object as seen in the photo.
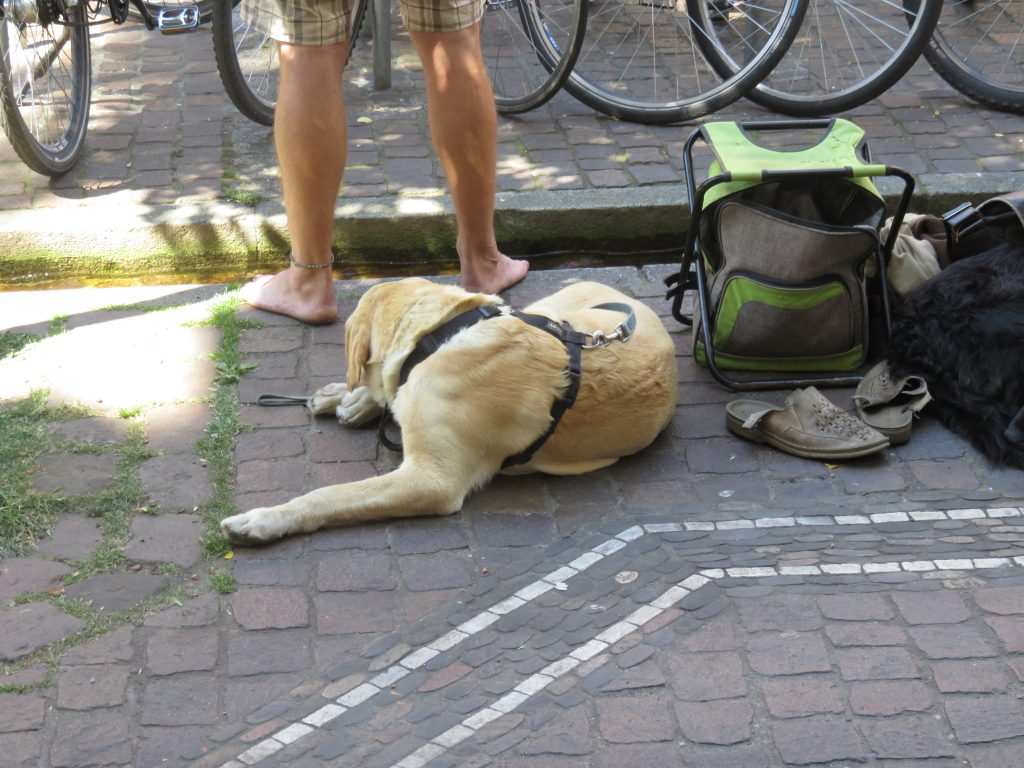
(486, 394)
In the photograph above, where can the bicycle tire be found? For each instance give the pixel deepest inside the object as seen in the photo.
(876, 40)
(155, 6)
(248, 63)
(640, 60)
(978, 48)
(44, 117)
(529, 48)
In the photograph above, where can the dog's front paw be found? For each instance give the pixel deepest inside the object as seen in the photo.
(357, 407)
(250, 528)
(327, 399)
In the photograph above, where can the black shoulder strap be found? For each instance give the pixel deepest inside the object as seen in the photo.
(574, 343)
(430, 343)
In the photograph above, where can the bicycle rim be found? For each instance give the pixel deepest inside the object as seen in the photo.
(641, 59)
(978, 48)
(248, 60)
(529, 47)
(45, 84)
(847, 53)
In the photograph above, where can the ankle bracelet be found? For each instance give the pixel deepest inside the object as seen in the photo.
(328, 265)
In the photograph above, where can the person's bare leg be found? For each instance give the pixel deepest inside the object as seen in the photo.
(310, 134)
(463, 123)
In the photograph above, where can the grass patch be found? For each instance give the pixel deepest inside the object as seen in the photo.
(217, 447)
(12, 343)
(243, 196)
(25, 434)
(223, 581)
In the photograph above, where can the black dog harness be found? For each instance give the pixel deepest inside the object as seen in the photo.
(574, 341)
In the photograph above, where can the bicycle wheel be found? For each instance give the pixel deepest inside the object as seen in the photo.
(846, 53)
(529, 48)
(978, 48)
(641, 60)
(45, 83)
(248, 61)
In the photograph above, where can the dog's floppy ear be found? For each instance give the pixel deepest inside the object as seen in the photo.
(357, 345)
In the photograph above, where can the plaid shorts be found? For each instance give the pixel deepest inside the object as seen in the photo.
(325, 22)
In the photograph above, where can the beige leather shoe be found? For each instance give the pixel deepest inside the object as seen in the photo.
(809, 426)
(889, 405)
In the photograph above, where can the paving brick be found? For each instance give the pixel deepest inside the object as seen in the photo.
(176, 428)
(176, 482)
(21, 712)
(802, 696)
(92, 687)
(270, 608)
(1010, 630)
(272, 475)
(724, 722)
(22, 750)
(93, 429)
(951, 642)
(113, 647)
(268, 444)
(355, 572)
(117, 591)
(866, 634)
(261, 653)
(969, 676)
(889, 697)
(420, 537)
(635, 718)
(444, 570)
(1001, 600)
(197, 612)
(166, 539)
(86, 739)
(28, 575)
(997, 755)
(984, 719)
(901, 738)
(788, 654)
(781, 613)
(855, 607)
(804, 741)
(875, 663)
(189, 699)
(26, 628)
(937, 607)
(707, 676)
(342, 613)
(647, 675)
(75, 474)
(73, 537)
(170, 651)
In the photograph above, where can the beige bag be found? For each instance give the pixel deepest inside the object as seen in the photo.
(914, 258)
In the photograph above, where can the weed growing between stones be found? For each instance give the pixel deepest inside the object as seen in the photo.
(217, 447)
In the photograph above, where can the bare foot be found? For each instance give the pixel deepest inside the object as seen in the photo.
(306, 295)
(493, 275)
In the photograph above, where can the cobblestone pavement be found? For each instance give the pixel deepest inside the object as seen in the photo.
(708, 602)
(172, 172)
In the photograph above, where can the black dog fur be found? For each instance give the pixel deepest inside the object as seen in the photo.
(963, 331)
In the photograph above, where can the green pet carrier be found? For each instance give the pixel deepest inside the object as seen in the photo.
(780, 245)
